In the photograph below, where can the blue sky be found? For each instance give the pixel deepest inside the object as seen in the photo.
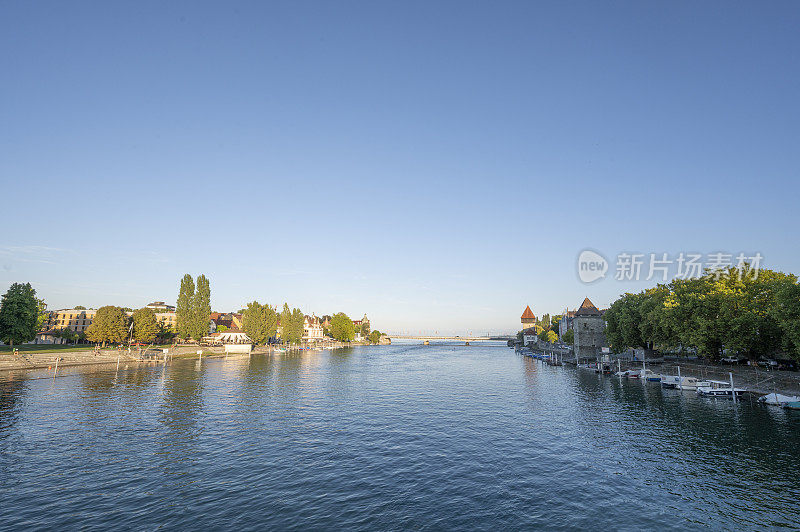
(437, 165)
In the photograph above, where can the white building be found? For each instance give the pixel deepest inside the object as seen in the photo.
(312, 329)
(529, 336)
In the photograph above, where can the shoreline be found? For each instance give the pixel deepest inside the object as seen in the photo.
(757, 382)
(25, 363)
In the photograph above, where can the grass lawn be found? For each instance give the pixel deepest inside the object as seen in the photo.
(45, 348)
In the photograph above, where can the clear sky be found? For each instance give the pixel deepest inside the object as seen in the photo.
(436, 165)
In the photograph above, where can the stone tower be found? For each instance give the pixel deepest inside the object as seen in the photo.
(590, 331)
(528, 319)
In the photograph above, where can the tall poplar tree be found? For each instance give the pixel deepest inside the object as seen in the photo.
(19, 313)
(285, 321)
(183, 309)
(270, 317)
(201, 308)
(295, 334)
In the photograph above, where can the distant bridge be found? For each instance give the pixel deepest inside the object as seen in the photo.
(458, 338)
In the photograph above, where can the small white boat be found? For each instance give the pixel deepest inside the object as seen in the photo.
(777, 399)
(684, 383)
(646, 374)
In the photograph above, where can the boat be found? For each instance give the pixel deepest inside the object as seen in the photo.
(651, 376)
(776, 399)
(684, 383)
(718, 389)
(794, 405)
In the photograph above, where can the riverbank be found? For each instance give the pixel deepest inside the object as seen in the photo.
(62, 357)
(755, 380)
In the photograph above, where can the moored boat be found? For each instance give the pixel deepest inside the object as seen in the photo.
(794, 405)
(776, 399)
(684, 383)
(719, 389)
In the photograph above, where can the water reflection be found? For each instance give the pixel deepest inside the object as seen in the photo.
(390, 437)
(12, 394)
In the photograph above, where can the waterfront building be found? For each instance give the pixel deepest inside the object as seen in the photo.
(359, 323)
(77, 320)
(589, 327)
(528, 319)
(565, 324)
(230, 320)
(160, 306)
(168, 320)
(312, 329)
(529, 336)
(232, 336)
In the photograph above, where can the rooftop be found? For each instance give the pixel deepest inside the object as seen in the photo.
(587, 308)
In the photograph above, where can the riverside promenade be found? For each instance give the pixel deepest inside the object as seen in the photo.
(23, 360)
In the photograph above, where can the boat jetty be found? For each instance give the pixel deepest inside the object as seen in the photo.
(705, 380)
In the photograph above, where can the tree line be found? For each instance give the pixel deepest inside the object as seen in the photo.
(112, 324)
(22, 315)
(261, 322)
(739, 310)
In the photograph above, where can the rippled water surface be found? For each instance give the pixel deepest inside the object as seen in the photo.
(404, 436)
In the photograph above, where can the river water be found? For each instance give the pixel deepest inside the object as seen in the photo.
(393, 437)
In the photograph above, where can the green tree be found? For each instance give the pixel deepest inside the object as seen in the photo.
(622, 323)
(68, 335)
(374, 337)
(110, 324)
(19, 314)
(253, 322)
(42, 316)
(145, 325)
(544, 322)
(364, 329)
(787, 312)
(80, 307)
(270, 318)
(569, 337)
(342, 327)
(183, 309)
(293, 325)
(222, 329)
(201, 308)
(165, 332)
(285, 320)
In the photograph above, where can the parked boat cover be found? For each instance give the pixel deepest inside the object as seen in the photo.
(778, 399)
